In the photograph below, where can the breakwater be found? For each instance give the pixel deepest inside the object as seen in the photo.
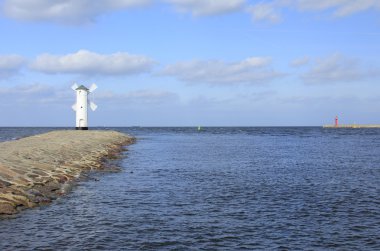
(35, 170)
(351, 126)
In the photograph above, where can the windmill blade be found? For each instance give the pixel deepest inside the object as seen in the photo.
(93, 106)
(74, 107)
(93, 87)
(75, 86)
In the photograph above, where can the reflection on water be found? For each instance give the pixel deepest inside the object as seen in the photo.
(221, 188)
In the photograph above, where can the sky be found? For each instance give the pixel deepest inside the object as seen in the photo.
(191, 62)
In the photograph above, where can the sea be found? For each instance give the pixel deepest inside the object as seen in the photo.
(220, 188)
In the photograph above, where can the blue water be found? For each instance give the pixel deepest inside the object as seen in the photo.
(218, 189)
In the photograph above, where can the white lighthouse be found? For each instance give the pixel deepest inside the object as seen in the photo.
(81, 105)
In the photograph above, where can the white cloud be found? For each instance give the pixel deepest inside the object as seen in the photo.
(357, 6)
(249, 71)
(30, 94)
(31, 89)
(207, 7)
(338, 68)
(144, 96)
(10, 65)
(65, 11)
(85, 11)
(268, 11)
(46, 94)
(298, 62)
(264, 12)
(86, 62)
(339, 7)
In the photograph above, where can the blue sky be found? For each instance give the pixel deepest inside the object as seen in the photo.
(191, 62)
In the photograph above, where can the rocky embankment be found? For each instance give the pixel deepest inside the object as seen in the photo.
(36, 169)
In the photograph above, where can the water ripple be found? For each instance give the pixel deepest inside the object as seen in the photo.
(221, 189)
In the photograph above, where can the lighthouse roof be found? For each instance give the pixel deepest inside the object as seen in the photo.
(82, 87)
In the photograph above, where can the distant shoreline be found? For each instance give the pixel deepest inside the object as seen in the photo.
(35, 170)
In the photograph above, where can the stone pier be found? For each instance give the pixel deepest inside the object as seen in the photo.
(36, 169)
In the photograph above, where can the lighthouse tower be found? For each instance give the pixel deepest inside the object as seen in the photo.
(81, 105)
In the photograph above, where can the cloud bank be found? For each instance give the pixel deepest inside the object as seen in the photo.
(298, 62)
(10, 65)
(269, 11)
(252, 70)
(207, 7)
(144, 96)
(264, 12)
(46, 94)
(86, 62)
(338, 68)
(33, 94)
(65, 11)
(340, 8)
(86, 11)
